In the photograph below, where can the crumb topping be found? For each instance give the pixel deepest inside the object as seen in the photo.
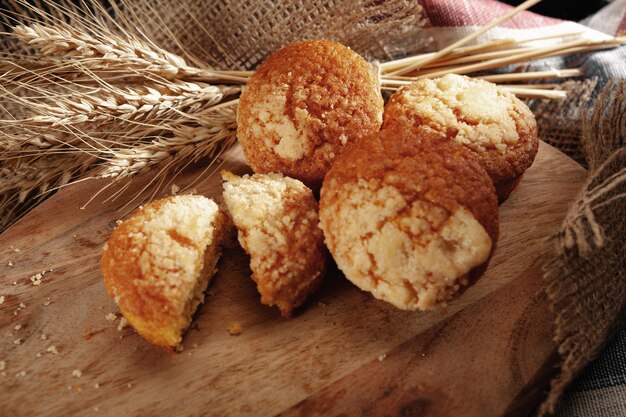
(473, 112)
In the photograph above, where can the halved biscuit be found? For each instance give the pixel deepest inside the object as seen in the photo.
(158, 263)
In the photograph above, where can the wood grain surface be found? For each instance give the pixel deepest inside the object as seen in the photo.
(345, 353)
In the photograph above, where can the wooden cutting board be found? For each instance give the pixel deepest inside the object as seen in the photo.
(487, 354)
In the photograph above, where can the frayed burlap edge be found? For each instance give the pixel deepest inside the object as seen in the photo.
(584, 280)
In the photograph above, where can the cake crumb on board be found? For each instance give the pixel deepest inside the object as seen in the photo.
(235, 329)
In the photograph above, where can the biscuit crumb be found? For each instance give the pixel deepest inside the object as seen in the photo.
(17, 327)
(10, 263)
(17, 342)
(122, 325)
(38, 354)
(175, 189)
(16, 250)
(77, 373)
(96, 385)
(111, 316)
(47, 302)
(179, 348)
(118, 222)
(14, 283)
(52, 349)
(382, 357)
(36, 279)
(21, 374)
(22, 305)
(1, 299)
(235, 329)
(44, 336)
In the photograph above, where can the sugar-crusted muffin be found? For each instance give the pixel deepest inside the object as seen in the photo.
(303, 105)
(497, 127)
(411, 219)
(158, 263)
(277, 222)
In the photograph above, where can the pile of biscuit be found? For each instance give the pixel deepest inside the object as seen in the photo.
(408, 193)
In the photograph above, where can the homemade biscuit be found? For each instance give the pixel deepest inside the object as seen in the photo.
(303, 105)
(158, 263)
(492, 123)
(277, 222)
(408, 217)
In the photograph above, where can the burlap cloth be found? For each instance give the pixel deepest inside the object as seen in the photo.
(585, 275)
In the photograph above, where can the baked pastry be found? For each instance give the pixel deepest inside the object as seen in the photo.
(497, 127)
(277, 222)
(303, 105)
(158, 263)
(412, 219)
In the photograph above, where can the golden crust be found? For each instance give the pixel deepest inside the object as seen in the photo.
(493, 124)
(277, 222)
(409, 190)
(303, 105)
(157, 264)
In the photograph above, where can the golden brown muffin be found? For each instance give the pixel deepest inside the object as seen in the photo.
(277, 222)
(303, 105)
(158, 263)
(412, 219)
(493, 124)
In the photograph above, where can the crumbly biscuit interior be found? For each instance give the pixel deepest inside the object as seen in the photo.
(258, 208)
(177, 248)
(414, 255)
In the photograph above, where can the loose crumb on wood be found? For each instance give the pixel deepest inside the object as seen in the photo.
(36, 279)
(17, 342)
(175, 189)
(44, 336)
(17, 327)
(22, 305)
(1, 299)
(77, 373)
(382, 357)
(123, 324)
(47, 302)
(235, 329)
(96, 385)
(38, 354)
(21, 374)
(111, 316)
(9, 263)
(52, 349)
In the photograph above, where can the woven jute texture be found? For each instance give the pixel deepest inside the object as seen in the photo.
(585, 278)
(234, 34)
